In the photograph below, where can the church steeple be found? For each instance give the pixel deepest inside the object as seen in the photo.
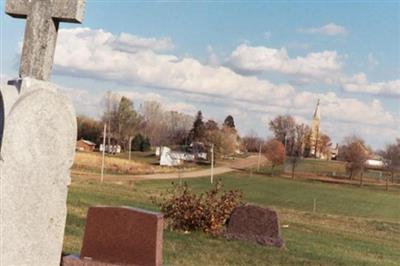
(317, 114)
(315, 132)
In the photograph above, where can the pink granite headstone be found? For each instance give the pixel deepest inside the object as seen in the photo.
(121, 236)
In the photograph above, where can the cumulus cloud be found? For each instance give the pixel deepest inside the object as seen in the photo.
(85, 102)
(342, 109)
(132, 43)
(192, 85)
(359, 83)
(319, 65)
(91, 53)
(330, 29)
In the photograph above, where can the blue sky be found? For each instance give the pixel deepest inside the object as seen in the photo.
(252, 60)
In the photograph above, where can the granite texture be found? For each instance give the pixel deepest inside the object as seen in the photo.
(43, 18)
(255, 224)
(123, 235)
(37, 152)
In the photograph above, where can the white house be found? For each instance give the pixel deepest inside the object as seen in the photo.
(174, 158)
(374, 163)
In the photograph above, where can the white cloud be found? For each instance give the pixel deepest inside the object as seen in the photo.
(89, 53)
(131, 43)
(85, 102)
(359, 83)
(347, 110)
(212, 59)
(330, 29)
(192, 85)
(320, 65)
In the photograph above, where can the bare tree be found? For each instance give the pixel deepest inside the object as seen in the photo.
(252, 142)
(89, 128)
(324, 145)
(301, 134)
(110, 103)
(128, 122)
(154, 123)
(177, 127)
(224, 141)
(283, 128)
(391, 156)
(355, 153)
(275, 153)
(164, 127)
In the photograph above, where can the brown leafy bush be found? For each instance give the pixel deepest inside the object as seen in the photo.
(208, 212)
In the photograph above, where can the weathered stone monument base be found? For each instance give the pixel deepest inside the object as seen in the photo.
(37, 150)
(255, 224)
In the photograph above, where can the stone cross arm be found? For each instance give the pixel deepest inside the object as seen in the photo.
(42, 22)
(61, 10)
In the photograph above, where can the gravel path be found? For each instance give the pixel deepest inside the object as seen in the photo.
(238, 164)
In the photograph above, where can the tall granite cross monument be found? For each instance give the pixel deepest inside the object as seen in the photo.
(43, 18)
(37, 141)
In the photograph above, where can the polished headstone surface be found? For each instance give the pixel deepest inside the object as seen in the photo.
(37, 151)
(123, 235)
(43, 18)
(255, 224)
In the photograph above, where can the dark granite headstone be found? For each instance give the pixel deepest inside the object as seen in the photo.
(255, 224)
(121, 236)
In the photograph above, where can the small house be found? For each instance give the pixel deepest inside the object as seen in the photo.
(85, 145)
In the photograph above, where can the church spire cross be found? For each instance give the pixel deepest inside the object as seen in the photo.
(43, 18)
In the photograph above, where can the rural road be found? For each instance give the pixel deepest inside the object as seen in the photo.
(238, 164)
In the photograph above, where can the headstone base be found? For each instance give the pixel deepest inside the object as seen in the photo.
(74, 260)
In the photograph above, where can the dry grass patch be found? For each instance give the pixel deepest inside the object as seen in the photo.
(91, 162)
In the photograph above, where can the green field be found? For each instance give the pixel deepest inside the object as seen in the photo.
(351, 225)
(306, 166)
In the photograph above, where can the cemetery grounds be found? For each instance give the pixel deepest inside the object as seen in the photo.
(322, 223)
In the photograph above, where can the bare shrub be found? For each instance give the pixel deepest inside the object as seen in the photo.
(207, 212)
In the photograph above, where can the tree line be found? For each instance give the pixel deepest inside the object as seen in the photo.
(152, 125)
(293, 140)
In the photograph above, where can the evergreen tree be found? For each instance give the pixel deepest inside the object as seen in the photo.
(229, 122)
(140, 143)
(197, 133)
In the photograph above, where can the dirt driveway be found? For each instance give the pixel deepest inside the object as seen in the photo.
(237, 164)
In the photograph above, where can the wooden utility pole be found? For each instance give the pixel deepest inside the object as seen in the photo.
(212, 163)
(130, 147)
(109, 119)
(259, 158)
(104, 151)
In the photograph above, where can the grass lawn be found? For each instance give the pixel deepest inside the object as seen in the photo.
(351, 225)
(326, 168)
